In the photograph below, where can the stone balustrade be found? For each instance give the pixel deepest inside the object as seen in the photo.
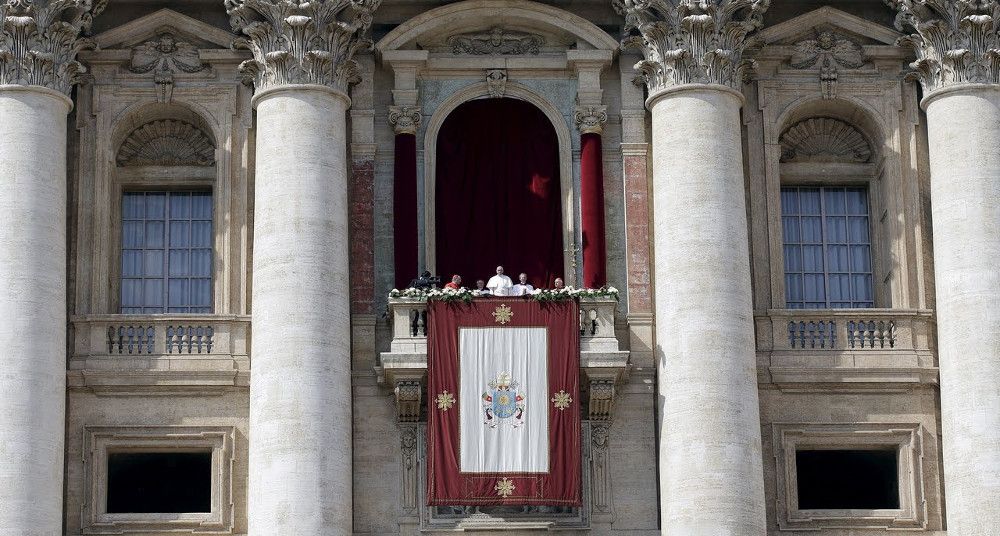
(404, 367)
(846, 346)
(180, 351)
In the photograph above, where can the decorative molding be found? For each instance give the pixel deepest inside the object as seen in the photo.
(689, 41)
(167, 142)
(591, 119)
(405, 119)
(828, 52)
(165, 56)
(956, 41)
(296, 42)
(410, 477)
(39, 41)
(496, 82)
(408, 397)
(600, 468)
(824, 139)
(496, 41)
(602, 397)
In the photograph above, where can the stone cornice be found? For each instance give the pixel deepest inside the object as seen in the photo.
(956, 41)
(39, 41)
(302, 42)
(405, 119)
(591, 119)
(691, 41)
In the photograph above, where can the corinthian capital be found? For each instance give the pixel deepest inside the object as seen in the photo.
(690, 41)
(404, 119)
(39, 41)
(302, 41)
(956, 41)
(591, 119)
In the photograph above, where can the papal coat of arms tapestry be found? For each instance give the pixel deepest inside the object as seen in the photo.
(503, 411)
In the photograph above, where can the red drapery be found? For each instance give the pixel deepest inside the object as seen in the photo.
(498, 193)
(592, 211)
(404, 207)
(446, 484)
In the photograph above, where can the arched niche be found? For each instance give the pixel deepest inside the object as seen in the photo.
(563, 135)
(162, 134)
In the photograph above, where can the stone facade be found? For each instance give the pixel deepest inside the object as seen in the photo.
(306, 382)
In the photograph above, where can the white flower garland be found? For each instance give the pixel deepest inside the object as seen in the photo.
(464, 294)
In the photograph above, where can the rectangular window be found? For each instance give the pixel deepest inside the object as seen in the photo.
(847, 479)
(166, 264)
(827, 247)
(159, 482)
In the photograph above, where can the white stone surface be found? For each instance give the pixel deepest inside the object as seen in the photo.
(300, 384)
(32, 309)
(711, 479)
(963, 129)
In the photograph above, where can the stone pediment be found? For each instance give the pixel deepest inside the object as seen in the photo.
(194, 32)
(828, 19)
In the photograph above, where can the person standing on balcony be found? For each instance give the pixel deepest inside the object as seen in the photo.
(559, 284)
(522, 288)
(500, 285)
(481, 289)
(455, 283)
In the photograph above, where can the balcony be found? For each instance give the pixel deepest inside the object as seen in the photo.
(196, 354)
(603, 365)
(846, 349)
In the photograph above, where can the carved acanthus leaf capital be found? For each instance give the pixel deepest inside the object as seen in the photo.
(956, 41)
(405, 119)
(591, 119)
(39, 41)
(302, 42)
(691, 41)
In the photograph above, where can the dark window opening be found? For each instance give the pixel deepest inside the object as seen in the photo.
(159, 482)
(847, 479)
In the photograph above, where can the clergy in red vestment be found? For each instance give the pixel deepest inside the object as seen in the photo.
(455, 283)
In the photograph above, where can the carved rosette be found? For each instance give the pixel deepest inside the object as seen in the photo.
(691, 41)
(956, 41)
(591, 119)
(302, 42)
(405, 119)
(39, 41)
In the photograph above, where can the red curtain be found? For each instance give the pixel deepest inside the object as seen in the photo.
(498, 193)
(592, 211)
(404, 208)
(446, 484)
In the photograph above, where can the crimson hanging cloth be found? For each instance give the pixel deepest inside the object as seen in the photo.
(595, 258)
(503, 403)
(497, 193)
(404, 209)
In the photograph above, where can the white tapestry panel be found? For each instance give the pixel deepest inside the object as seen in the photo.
(503, 400)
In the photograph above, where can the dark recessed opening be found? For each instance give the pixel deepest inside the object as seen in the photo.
(159, 482)
(847, 479)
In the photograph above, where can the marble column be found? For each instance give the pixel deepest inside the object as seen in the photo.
(35, 78)
(405, 121)
(300, 383)
(963, 128)
(590, 122)
(710, 461)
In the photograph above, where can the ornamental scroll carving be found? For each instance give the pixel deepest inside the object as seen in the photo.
(591, 119)
(405, 119)
(824, 139)
(496, 82)
(167, 143)
(299, 42)
(165, 56)
(691, 41)
(39, 41)
(956, 41)
(828, 52)
(495, 41)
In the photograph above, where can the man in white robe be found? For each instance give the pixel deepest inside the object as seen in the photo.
(500, 285)
(522, 288)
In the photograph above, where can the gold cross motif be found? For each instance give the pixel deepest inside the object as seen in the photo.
(503, 314)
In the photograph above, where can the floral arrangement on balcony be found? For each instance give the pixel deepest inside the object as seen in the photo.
(467, 295)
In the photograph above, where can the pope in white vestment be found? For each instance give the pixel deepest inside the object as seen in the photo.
(500, 285)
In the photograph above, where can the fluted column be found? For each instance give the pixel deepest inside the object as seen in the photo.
(38, 46)
(590, 122)
(958, 61)
(300, 383)
(405, 121)
(711, 477)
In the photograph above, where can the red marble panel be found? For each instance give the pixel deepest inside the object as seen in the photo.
(640, 291)
(362, 236)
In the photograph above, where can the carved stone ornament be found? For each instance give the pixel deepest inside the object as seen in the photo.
(405, 119)
(408, 397)
(39, 41)
(602, 397)
(591, 119)
(495, 41)
(824, 139)
(302, 42)
(167, 143)
(165, 56)
(496, 82)
(828, 52)
(956, 41)
(691, 41)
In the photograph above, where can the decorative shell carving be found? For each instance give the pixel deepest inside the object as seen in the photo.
(167, 143)
(823, 139)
